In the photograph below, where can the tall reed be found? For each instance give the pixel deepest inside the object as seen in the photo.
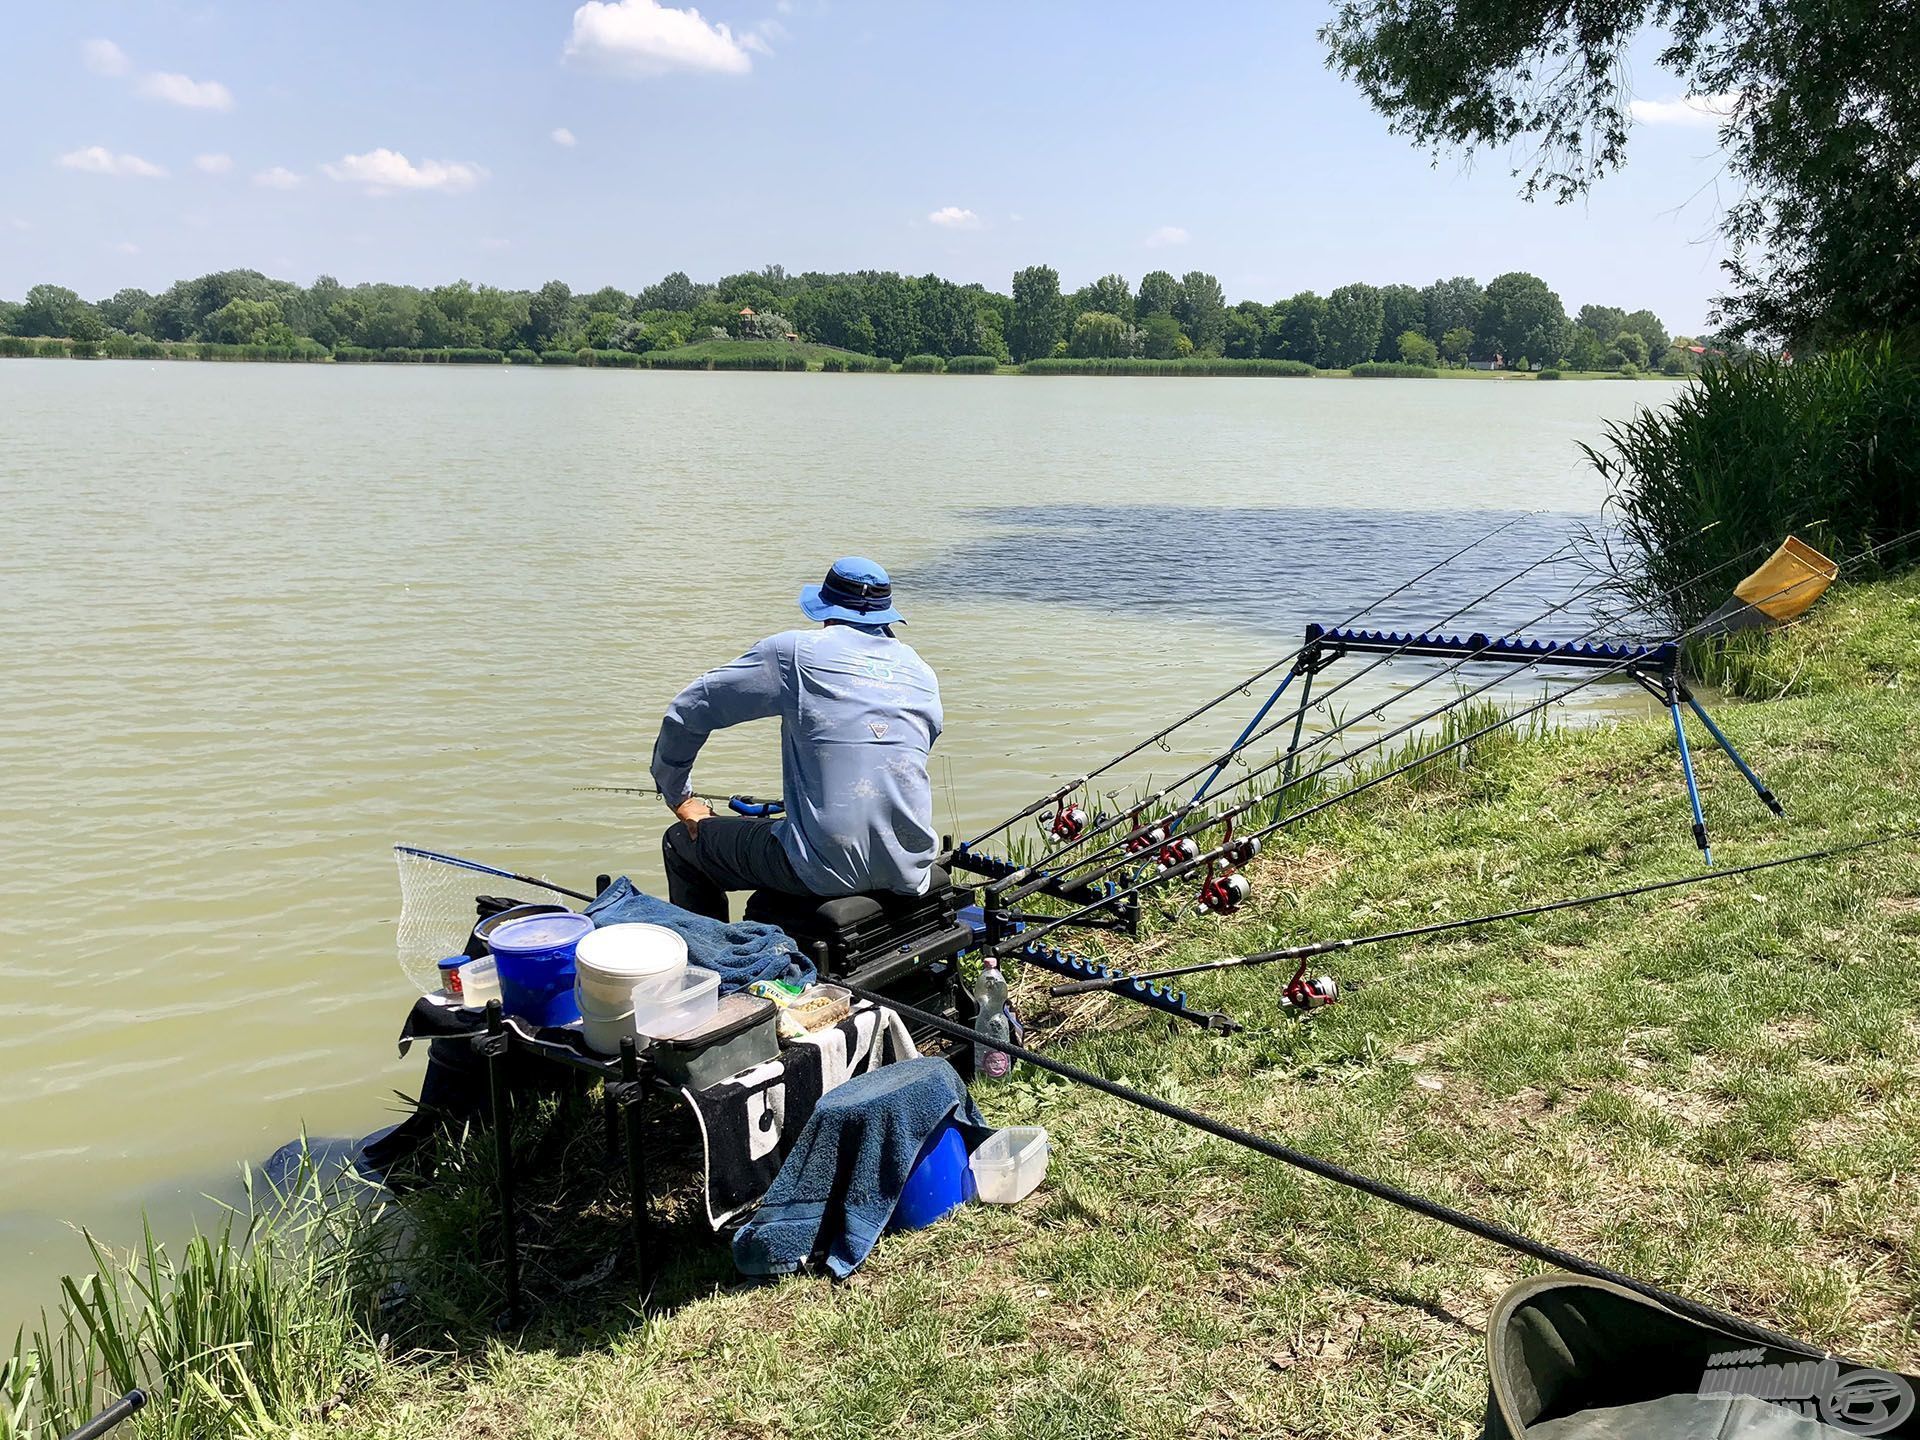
(1828, 447)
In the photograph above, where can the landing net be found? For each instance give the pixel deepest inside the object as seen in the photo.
(437, 913)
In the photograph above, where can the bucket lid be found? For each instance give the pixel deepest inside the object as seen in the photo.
(633, 951)
(540, 932)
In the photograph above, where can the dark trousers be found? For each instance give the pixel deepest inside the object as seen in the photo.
(725, 854)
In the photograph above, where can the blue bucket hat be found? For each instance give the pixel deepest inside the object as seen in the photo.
(856, 590)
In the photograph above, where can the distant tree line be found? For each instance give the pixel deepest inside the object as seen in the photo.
(1450, 322)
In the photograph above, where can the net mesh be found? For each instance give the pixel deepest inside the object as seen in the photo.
(437, 913)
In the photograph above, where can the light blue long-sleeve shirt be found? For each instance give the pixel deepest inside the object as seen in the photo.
(859, 712)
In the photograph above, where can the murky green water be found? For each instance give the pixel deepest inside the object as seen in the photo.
(262, 622)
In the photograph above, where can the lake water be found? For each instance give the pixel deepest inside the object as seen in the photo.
(262, 622)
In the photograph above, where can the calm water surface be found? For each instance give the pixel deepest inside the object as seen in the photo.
(262, 622)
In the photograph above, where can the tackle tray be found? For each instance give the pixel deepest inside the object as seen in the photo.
(743, 1032)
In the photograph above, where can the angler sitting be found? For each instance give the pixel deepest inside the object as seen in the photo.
(859, 712)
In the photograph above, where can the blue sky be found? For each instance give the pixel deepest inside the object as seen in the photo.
(515, 141)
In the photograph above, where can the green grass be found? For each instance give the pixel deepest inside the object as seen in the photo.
(743, 355)
(1717, 1089)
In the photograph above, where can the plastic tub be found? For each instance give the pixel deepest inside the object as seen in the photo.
(939, 1184)
(479, 983)
(1010, 1164)
(687, 1002)
(615, 961)
(534, 956)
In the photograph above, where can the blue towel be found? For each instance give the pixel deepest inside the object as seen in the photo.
(743, 951)
(838, 1188)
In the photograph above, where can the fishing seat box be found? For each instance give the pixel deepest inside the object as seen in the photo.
(876, 939)
(742, 1032)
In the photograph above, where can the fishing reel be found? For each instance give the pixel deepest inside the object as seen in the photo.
(1067, 823)
(1305, 993)
(1176, 852)
(1238, 853)
(1224, 894)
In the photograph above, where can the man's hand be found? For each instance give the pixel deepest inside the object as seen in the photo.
(691, 812)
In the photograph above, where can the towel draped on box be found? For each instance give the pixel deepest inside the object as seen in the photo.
(844, 1176)
(743, 951)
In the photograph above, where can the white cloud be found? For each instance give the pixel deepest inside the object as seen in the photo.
(126, 247)
(383, 170)
(103, 57)
(16, 223)
(213, 164)
(644, 37)
(182, 90)
(1167, 235)
(278, 177)
(952, 217)
(98, 160)
(563, 136)
(1687, 110)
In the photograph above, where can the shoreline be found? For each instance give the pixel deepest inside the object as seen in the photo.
(193, 352)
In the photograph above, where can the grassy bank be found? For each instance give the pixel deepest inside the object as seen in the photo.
(1718, 1090)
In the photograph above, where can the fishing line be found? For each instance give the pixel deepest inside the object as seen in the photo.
(1188, 867)
(1238, 689)
(1488, 1230)
(1442, 927)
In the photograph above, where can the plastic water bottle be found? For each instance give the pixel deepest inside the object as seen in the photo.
(990, 1017)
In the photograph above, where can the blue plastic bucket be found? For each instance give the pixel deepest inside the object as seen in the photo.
(940, 1183)
(535, 959)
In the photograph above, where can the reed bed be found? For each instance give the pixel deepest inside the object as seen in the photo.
(1827, 447)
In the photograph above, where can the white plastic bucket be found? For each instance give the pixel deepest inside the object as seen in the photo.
(479, 983)
(616, 960)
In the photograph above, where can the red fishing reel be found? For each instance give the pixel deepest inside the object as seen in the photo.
(1178, 851)
(1303, 994)
(1224, 894)
(1068, 823)
(1239, 852)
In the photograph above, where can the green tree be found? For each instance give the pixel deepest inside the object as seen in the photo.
(1605, 321)
(49, 310)
(1647, 326)
(129, 311)
(1246, 326)
(1202, 312)
(1402, 308)
(547, 314)
(1273, 339)
(676, 292)
(1160, 336)
(1097, 333)
(1627, 349)
(1586, 350)
(243, 322)
(1815, 108)
(1456, 345)
(1301, 332)
(1416, 349)
(1352, 325)
(1110, 294)
(1159, 294)
(1038, 313)
(1452, 305)
(1522, 316)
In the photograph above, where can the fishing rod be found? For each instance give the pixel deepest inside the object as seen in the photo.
(1242, 688)
(478, 868)
(1163, 828)
(751, 806)
(1115, 896)
(1488, 1230)
(1304, 953)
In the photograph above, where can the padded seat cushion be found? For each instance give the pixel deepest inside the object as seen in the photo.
(811, 916)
